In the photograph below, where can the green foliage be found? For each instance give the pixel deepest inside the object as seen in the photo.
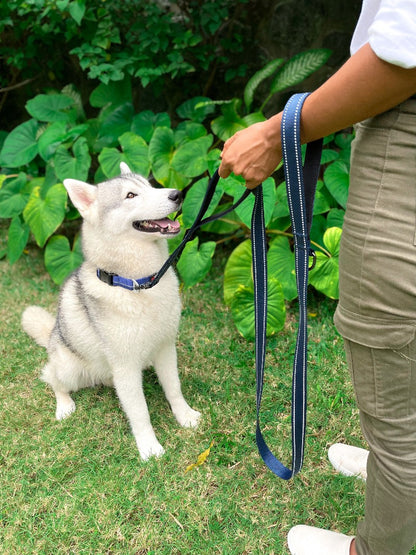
(283, 75)
(324, 277)
(60, 258)
(195, 262)
(153, 42)
(60, 141)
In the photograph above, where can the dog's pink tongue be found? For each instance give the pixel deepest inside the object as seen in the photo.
(165, 223)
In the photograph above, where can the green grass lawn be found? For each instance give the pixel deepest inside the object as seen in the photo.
(78, 486)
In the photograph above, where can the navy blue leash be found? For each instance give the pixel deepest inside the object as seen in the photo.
(300, 185)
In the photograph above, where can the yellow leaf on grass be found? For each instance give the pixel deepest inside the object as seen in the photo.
(201, 458)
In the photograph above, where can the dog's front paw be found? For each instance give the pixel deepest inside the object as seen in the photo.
(149, 448)
(188, 418)
(65, 406)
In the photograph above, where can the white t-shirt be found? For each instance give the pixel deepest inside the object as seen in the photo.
(390, 28)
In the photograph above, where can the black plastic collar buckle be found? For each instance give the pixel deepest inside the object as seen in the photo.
(106, 277)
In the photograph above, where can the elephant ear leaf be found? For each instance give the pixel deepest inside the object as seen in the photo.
(60, 259)
(237, 270)
(324, 277)
(195, 262)
(239, 294)
(44, 214)
(281, 261)
(242, 308)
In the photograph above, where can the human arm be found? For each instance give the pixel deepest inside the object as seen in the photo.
(363, 87)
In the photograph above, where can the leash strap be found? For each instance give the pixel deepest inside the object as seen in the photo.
(300, 185)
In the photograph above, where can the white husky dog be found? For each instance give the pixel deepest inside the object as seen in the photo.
(106, 334)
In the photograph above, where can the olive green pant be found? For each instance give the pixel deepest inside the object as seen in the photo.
(376, 316)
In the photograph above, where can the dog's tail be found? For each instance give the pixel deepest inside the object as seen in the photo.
(38, 323)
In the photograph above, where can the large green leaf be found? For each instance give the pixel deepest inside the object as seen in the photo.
(45, 214)
(335, 218)
(298, 68)
(114, 124)
(13, 196)
(190, 159)
(328, 155)
(254, 117)
(75, 167)
(281, 208)
(161, 151)
(53, 136)
(17, 239)
(325, 276)
(229, 122)
(319, 226)
(196, 109)
(60, 259)
(337, 180)
(194, 198)
(50, 107)
(234, 186)
(56, 134)
(146, 122)
(195, 263)
(135, 153)
(320, 205)
(238, 271)
(188, 131)
(259, 77)
(242, 308)
(114, 93)
(281, 263)
(20, 146)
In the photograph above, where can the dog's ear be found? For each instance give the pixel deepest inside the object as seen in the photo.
(82, 195)
(124, 169)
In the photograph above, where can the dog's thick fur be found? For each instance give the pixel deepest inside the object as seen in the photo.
(108, 335)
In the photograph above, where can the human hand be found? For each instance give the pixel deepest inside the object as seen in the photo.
(254, 153)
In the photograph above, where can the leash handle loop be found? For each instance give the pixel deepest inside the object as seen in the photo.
(300, 185)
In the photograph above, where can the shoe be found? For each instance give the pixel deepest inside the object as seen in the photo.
(349, 460)
(307, 540)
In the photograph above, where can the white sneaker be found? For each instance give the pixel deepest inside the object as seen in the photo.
(349, 460)
(307, 540)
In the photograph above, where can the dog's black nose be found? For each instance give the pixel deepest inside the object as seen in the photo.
(175, 196)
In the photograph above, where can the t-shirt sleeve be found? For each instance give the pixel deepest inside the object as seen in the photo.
(392, 35)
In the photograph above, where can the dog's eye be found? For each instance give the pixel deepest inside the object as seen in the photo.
(131, 195)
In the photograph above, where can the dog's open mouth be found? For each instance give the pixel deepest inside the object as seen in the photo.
(164, 226)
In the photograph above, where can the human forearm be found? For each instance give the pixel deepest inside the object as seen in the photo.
(363, 87)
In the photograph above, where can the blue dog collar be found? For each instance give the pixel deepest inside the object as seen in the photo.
(131, 284)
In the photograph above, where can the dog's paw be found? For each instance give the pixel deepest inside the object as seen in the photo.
(188, 418)
(64, 408)
(149, 449)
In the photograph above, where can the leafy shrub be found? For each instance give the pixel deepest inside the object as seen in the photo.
(60, 141)
(154, 42)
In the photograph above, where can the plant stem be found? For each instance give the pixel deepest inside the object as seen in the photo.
(287, 234)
